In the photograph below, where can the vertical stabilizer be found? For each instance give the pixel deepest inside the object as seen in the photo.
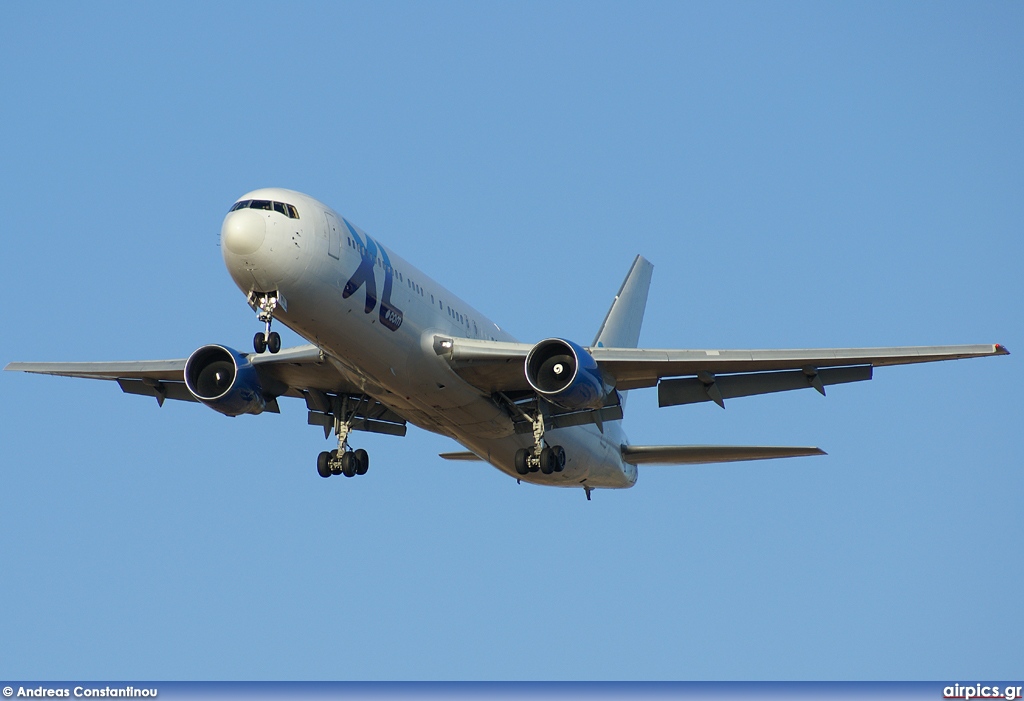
(621, 328)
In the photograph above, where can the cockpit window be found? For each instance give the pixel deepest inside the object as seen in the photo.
(269, 206)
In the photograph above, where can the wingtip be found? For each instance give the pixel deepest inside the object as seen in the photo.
(1001, 349)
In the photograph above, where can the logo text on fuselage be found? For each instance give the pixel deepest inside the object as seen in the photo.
(390, 315)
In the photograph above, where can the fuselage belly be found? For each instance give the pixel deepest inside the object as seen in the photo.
(376, 317)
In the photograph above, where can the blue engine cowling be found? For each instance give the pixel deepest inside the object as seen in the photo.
(565, 374)
(224, 380)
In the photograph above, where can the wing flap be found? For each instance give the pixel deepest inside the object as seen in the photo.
(705, 454)
(159, 389)
(711, 388)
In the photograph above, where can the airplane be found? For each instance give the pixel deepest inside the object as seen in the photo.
(389, 346)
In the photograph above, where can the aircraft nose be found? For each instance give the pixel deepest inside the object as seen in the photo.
(243, 231)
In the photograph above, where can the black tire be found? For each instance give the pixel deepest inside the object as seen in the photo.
(558, 455)
(546, 462)
(259, 342)
(362, 459)
(323, 466)
(348, 464)
(521, 467)
(274, 342)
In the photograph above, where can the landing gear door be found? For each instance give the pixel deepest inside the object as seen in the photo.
(333, 236)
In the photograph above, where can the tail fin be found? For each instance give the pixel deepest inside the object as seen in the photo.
(621, 328)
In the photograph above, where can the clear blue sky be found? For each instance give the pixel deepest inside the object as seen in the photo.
(815, 174)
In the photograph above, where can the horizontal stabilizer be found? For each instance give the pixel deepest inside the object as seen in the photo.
(702, 454)
(461, 455)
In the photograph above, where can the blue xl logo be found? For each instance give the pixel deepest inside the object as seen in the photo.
(390, 315)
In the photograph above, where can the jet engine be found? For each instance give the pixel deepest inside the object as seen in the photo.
(224, 380)
(565, 374)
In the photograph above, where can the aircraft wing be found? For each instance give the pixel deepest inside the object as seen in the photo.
(688, 376)
(301, 372)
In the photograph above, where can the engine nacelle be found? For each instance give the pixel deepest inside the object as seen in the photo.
(565, 374)
(224, 380)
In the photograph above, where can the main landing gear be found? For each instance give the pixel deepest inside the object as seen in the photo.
(350, 464)
(546, 459)
(265, 305)
(343, 460)
(550, 460)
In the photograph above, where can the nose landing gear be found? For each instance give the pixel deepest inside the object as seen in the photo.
(270, 341)
(265, 304)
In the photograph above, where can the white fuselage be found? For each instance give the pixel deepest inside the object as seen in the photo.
(383, 342)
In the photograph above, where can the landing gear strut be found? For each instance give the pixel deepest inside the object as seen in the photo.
(541, 457)
(265, 304)
(343, 460)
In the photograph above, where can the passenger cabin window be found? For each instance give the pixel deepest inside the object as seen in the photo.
(268, 206)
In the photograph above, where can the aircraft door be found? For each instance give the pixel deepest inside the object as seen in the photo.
(333, 236)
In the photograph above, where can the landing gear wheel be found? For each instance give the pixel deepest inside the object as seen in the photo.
(546, 463)
(362, 459)
(323, 466)
(274, 342)
(335, 468)
(259, 342)
(348, 464)
(521, 467)
(558, 458)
